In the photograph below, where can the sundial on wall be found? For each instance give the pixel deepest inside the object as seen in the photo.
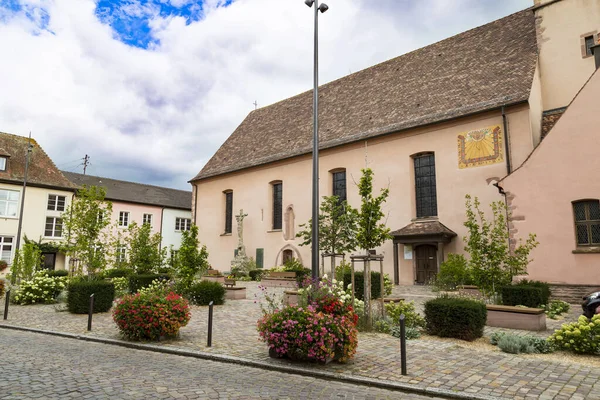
(480, 147)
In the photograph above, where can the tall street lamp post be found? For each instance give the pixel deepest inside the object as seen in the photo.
(315, 178)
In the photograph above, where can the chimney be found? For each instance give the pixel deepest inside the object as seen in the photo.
(596, 53)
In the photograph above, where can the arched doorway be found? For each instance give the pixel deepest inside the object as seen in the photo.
(425, 263)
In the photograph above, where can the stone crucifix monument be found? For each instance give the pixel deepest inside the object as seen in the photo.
(240, 256)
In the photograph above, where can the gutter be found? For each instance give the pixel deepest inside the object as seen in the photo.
(506, 144)
(162, 213)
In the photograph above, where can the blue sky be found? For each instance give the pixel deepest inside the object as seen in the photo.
(150, 89)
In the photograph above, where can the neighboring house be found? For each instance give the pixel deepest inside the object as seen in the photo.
(168, 211)
(560, 200)
(47, 195)
(438, 123)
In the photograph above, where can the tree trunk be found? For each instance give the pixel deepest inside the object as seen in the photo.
(367, 287)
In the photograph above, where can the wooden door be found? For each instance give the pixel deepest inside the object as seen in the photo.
(49, 261)
(426, 263)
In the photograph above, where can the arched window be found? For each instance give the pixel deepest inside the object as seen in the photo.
(425, 186)
(277, 204)
(587, 222)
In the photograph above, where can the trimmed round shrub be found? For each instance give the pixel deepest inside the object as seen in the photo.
(57, 273)
(79, 292)
(526, 293)
(454, 317)
(117, 273)
(256, 274)
(152, 315)
(136, 282)
(203, 292)
(359, 284)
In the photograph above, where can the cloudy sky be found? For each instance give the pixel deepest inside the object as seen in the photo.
(150, 89)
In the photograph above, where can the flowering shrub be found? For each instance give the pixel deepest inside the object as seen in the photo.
(121, 285)
(321, 328)
(582, 336)
(151, 315)
(412, 318)
(41, 289)
(303, 333)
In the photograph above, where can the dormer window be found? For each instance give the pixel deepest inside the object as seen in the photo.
(3, 162)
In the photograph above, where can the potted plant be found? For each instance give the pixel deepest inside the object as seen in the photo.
(3, 265)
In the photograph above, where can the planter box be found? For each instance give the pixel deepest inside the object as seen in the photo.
(235, 293)
(220, 279)
(469, 290)
(290, 298)
(279, 282)
(393, 299)
(530, 319)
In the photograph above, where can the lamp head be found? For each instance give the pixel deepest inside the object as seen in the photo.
(323, 7)
(309, 2)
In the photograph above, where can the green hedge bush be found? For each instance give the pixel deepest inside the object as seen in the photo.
(136, 282)
(256, 274)
(526, 293)
(57, 273)
(359, 284)
(79, 292)
(455, 317)
(117, 273)
(203, 292)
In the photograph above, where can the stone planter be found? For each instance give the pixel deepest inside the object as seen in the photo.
(235, 293)
(280, 282)
(471, 291)
(530, 319)
(214, 278)
(290, 298)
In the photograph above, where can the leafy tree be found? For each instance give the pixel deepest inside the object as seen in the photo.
(145, 254)
(27, 261)
(84, 222)
(337, 227)
(191, 259)
(492, 262)
(371, 232)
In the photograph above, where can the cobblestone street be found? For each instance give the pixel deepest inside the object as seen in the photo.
(36, 366)
(454, 366)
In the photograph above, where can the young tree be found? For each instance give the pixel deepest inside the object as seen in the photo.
(491, 260)
(27, 261)
(191, 259)
(84, 222)
(145, 254)
(337, 228)
(371, 232)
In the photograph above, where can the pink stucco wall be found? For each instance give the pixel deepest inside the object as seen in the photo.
(390, 159)
(563, 168)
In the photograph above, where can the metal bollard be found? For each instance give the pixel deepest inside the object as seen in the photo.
(402, 344)
(6, 301)
(210, 322)
(91, 312)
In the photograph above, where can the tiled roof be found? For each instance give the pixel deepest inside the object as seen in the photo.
(477, 70)
(41, 172)
(424, 228)
(132, 192)
(549, 118)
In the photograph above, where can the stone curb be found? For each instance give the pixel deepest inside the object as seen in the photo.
(396, 386)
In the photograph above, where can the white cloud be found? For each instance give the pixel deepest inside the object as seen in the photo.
(158, 115)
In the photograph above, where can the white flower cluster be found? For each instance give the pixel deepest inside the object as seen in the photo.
(41, 289)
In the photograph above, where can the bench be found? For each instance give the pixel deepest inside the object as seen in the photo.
(213, 272)
(214, 275)
(279, 279)
(525, 318)
(235, 293)
(229, 282)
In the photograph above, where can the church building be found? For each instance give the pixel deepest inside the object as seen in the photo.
(447, 120)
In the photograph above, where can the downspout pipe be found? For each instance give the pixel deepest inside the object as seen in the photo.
(506, 144)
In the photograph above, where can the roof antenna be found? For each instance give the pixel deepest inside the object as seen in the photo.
(255, 104)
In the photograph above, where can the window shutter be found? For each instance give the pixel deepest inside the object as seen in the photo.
(260, 255)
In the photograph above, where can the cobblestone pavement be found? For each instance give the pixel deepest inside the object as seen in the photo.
(40, 366)
(474, 368)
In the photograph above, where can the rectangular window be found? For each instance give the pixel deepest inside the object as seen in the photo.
(124, 219)
(277, 205)
(589, 42)
(425, 187)
(339, 185)
(183, 224)
(121, 254)
(9, 203)
(53, 227)
(587, 222)
(56, 203)
(2, 163)
(6, 246)
(147, 219)
(228, 211)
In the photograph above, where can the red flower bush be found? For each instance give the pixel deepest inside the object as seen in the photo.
(150, 316)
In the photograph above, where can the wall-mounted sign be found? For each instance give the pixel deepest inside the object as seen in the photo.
(480, 147)
(407, 252)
